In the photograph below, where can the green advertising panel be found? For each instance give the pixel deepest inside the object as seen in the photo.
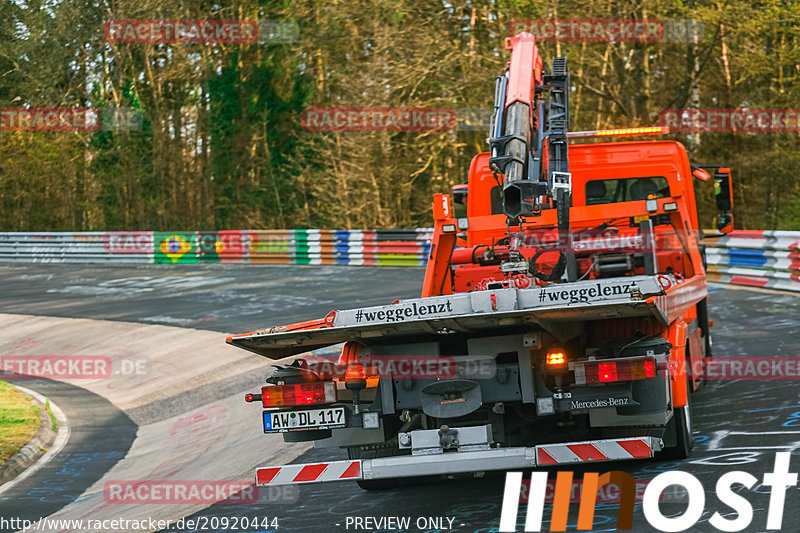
(174, 247)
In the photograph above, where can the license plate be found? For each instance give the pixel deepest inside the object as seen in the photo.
(282, 421)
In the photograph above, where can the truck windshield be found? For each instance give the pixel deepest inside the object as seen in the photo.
(625, 189)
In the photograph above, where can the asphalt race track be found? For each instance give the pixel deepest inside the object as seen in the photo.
(737, 424)
(230, 298)
(100, 435)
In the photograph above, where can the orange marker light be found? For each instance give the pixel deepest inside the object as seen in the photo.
(650, 130)
(556, 358)
(633, 131)
(355, 377)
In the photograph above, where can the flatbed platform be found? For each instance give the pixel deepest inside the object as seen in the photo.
(634, 296)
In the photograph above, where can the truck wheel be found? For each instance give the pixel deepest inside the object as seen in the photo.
(702, 319)
(681, 425)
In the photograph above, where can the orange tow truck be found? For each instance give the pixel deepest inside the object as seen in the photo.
(563, 320)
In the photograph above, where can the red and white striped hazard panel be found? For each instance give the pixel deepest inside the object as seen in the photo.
(308, 473)
(597, 450)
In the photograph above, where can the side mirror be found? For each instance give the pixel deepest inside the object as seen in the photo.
(723, 191)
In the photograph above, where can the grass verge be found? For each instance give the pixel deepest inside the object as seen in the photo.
(19, 420)
(53, 421)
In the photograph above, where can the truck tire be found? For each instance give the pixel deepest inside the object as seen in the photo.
(702, 318)
(681, 425)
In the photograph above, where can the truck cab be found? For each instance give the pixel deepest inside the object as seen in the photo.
(611, 183)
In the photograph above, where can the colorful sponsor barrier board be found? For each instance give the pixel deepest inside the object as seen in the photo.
(403, 247)
(769, 259)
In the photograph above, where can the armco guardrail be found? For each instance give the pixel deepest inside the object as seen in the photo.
(769, 259)
(312, 247)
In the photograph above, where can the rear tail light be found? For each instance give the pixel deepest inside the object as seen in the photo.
(606, 372)
(611, 370)
(316, 393)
